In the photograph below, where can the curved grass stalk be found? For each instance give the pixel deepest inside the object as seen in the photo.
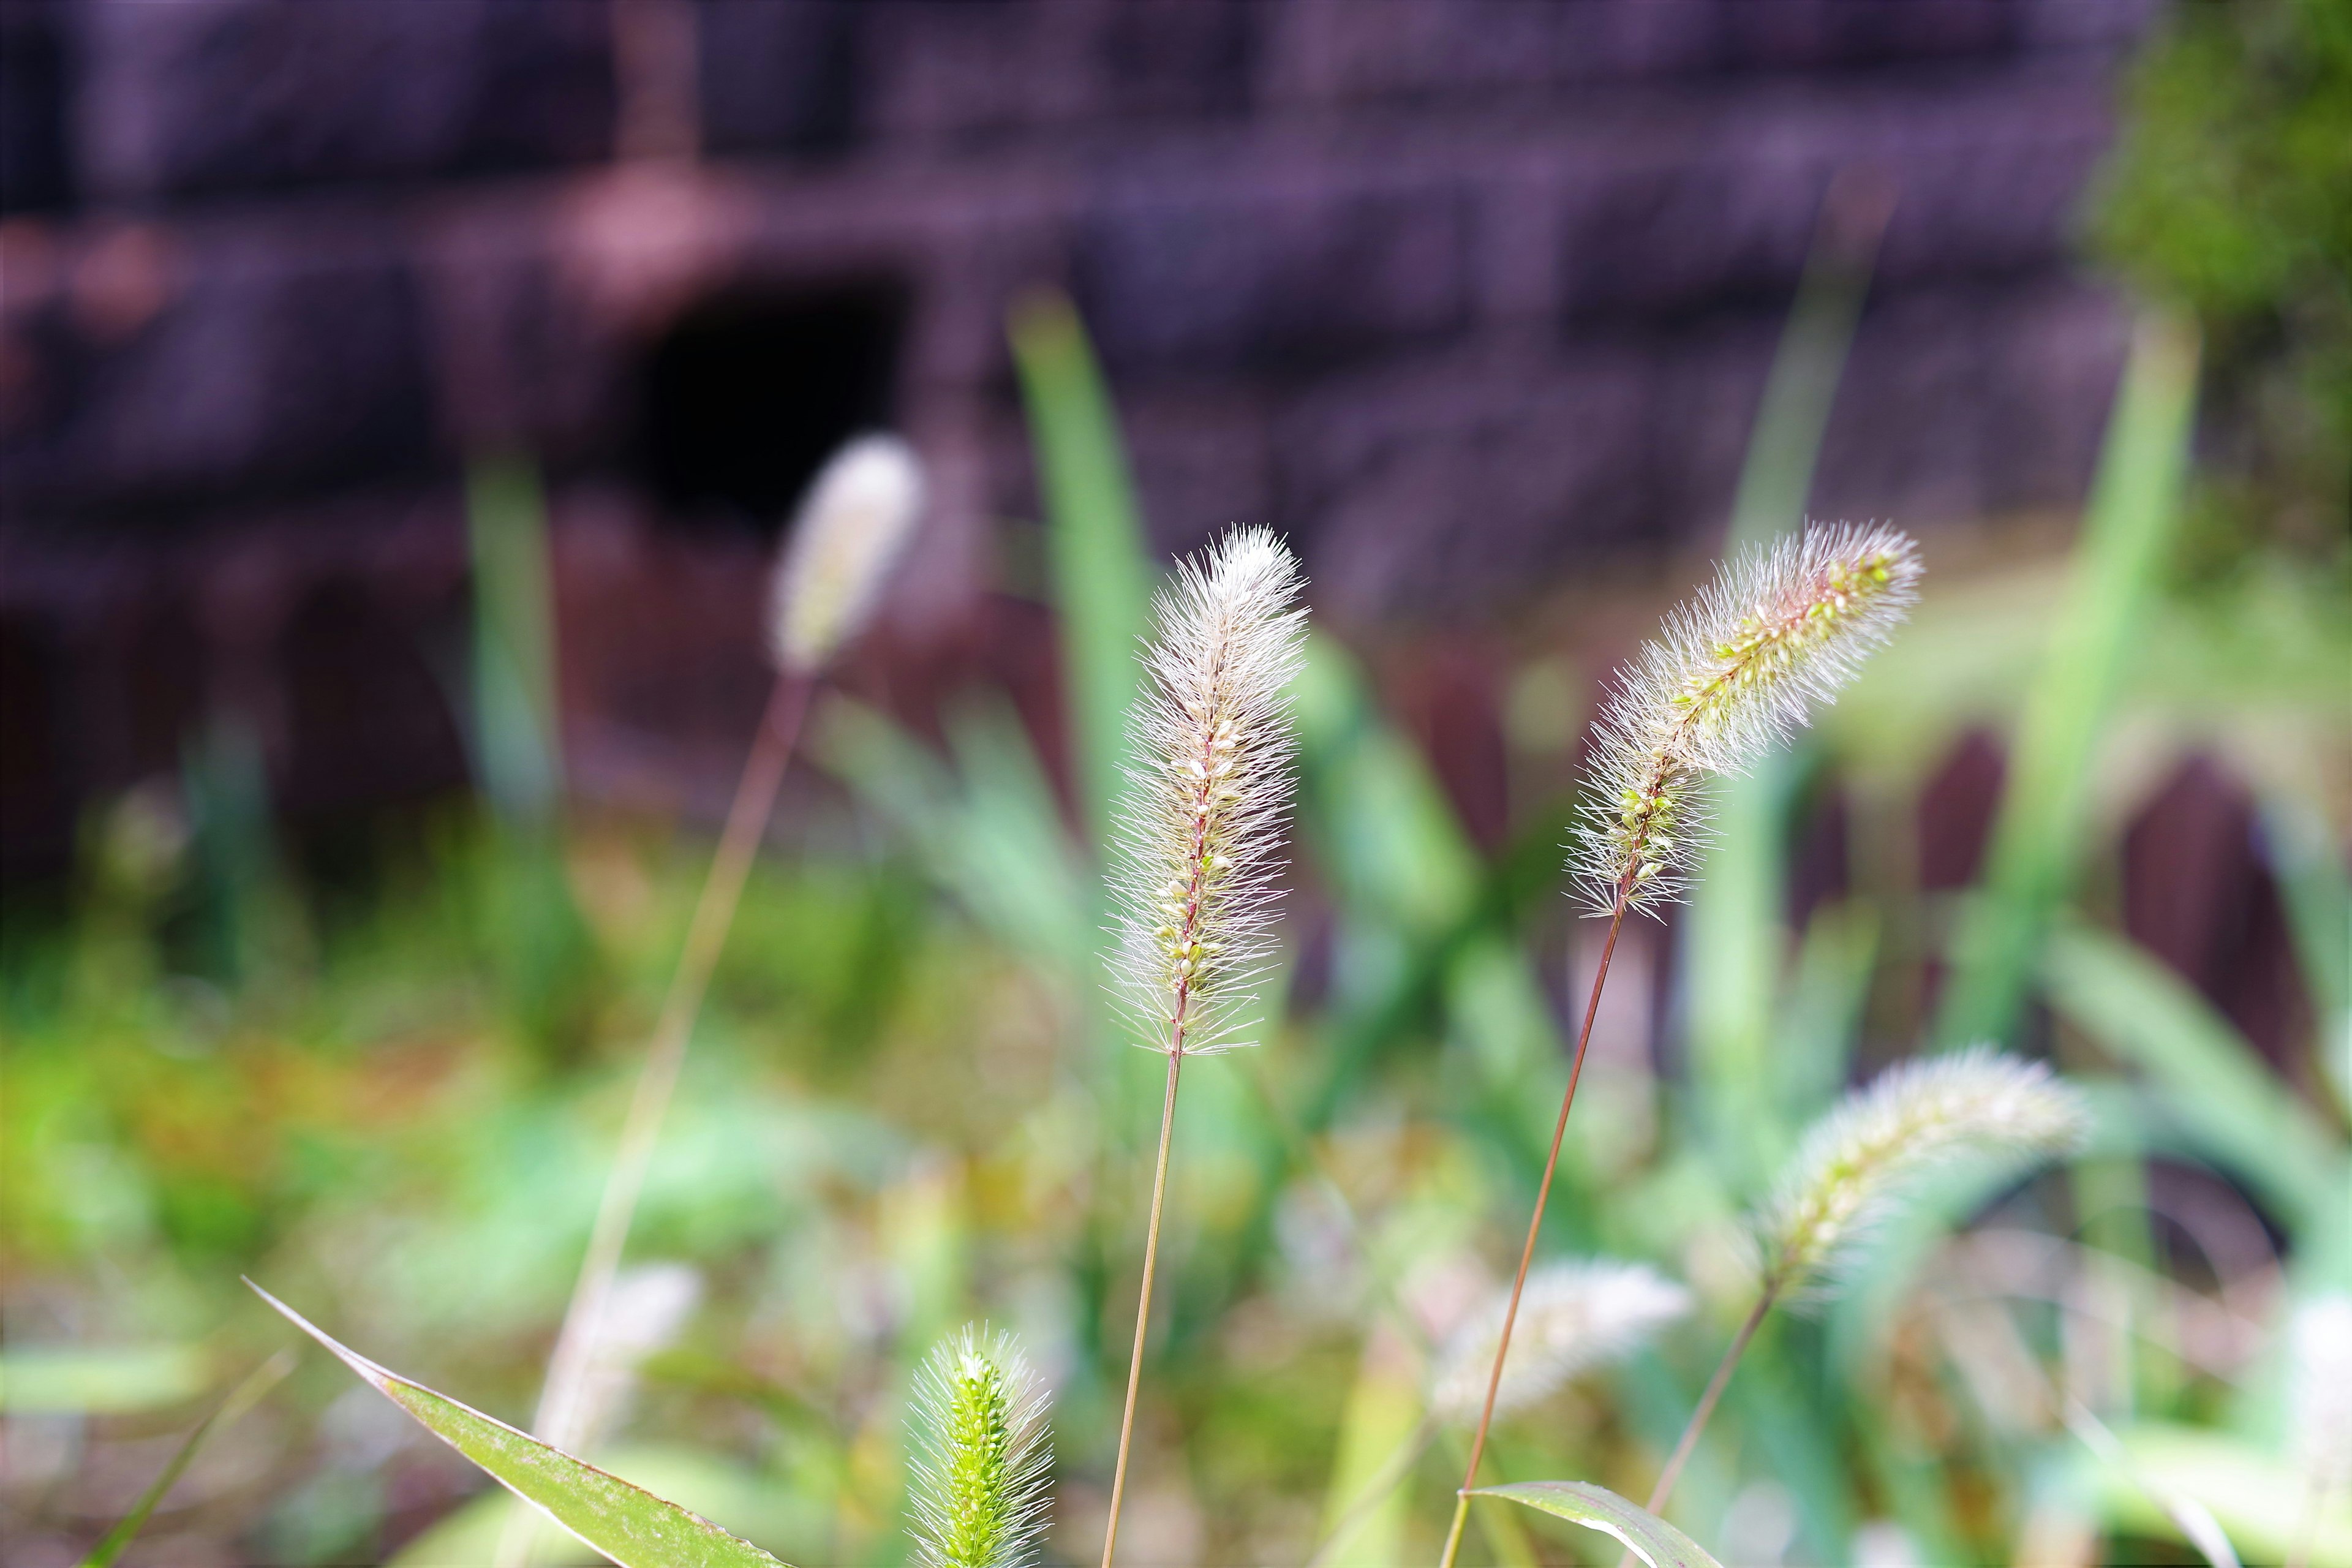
(1738, 668)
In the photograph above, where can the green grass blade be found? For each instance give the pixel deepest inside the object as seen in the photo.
(517, 749)
(241, 1398)
(2037, 840)
(1738, 944)
(1658, 1543)
(1095, 546)
(2318, 897)
(2209, 1079)
(627, 1523)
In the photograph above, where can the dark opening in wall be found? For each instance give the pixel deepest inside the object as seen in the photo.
(750, 391)
(35, 165)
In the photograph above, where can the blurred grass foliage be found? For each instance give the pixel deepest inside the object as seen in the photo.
(2226, 198)
(906, 1106)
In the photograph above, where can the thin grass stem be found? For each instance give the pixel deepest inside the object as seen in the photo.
(1143, 1303)
(562, 1416)
(1714, 1395)
(1535, 1225)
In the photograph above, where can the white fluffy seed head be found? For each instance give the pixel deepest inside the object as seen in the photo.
(1200, 832)
(2319, 1418)
(1857, 1162)
(984, 1455)
(1573, 1317)
(1735, 671)
(852, 526)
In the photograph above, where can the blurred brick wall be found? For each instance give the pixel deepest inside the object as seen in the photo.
(1460, 294)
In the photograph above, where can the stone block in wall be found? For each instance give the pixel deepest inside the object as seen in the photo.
(1972, 400)
(779, 78)
(1816, 35)
(1366, 51)
(984, 71)
(1438, 487)
(158, 364)
(211, 96)
(1982, 188)
(1223, 278)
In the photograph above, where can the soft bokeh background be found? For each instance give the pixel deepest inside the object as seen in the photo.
(399, 400)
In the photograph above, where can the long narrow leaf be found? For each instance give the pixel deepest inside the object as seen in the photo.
(627, 1523)
(2209, 1079)
(1658, 1543)
(242, 1398)
(2037, 838)
(1102, 578)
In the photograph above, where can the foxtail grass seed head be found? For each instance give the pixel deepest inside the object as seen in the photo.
(1735, 670)
(983, 1457)
(1856, 1164)
(2319, 1400)
(1200, 831)
(852, 526)
(1573, 1317)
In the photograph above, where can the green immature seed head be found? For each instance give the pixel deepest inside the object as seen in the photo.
(981, 1468)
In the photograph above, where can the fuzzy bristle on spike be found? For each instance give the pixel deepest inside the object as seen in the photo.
(985, 1455)
(851, 529)
(1200, 833)
(1857, 1161)
(1572, 1317)
(1735, 670)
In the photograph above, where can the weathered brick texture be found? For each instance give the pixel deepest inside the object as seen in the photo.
(1462, 294)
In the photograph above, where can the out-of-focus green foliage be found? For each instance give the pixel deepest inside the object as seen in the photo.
(2226, 197)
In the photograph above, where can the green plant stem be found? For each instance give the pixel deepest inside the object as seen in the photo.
(1143, 1304)
(1535, 1225)
(561, 1415)
(1708, 1401)
(1384, 1480)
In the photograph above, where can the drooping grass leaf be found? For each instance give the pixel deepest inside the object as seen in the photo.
(2318, 893)
(2209, 1077)
(1658, 1543)
(2037, 840)
(628, 1523)
(241, 1398)
(2262, 1501)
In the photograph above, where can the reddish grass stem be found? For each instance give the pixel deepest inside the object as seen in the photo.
(1143, 1304)
(1535, 1225)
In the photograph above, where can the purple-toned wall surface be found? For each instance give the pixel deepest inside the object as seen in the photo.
(1461, 295)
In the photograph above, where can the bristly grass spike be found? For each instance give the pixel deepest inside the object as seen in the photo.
(852, 527)
(984, 1455)
(1200, 837)
(1738, 669)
